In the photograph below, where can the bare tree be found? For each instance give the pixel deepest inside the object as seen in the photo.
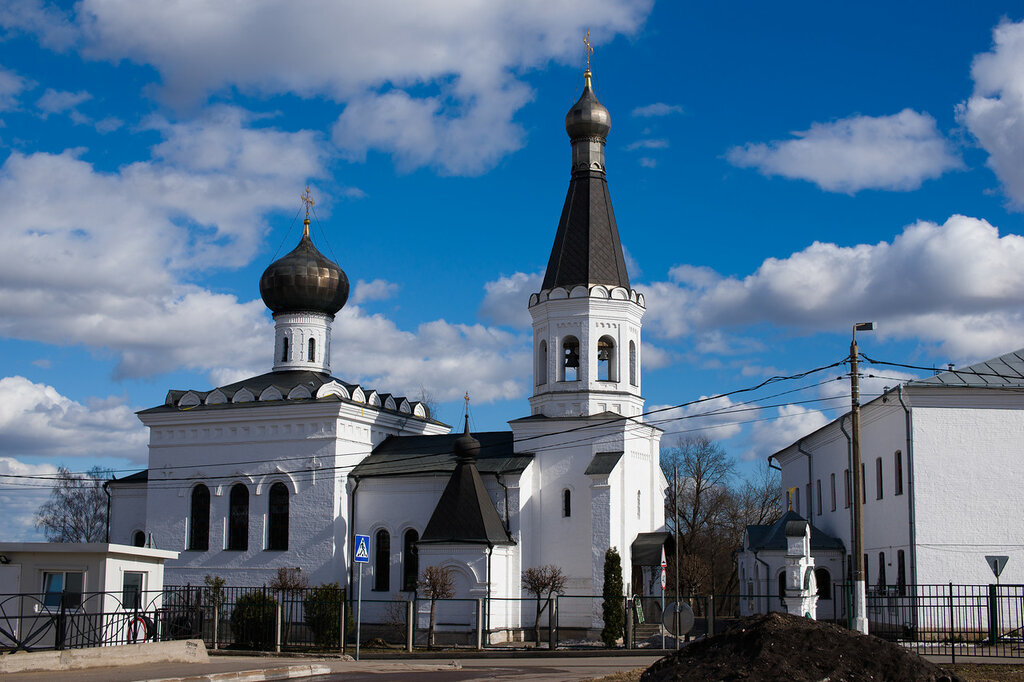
(437, 582)
(77, 508)
(290, 584)
(543, 582)
(701, 489)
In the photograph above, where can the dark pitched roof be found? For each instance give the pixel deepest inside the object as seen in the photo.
(774, 536)
(587, 248)
(465, 512)
(646, 548)
(411, 455)
(137, 477)
(603, 463)
(1005, 370)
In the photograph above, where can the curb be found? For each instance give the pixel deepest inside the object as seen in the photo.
(283, 673)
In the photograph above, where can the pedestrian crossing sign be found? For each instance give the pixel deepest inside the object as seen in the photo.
(362, 549)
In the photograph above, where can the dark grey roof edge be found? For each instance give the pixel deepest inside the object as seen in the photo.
(603, 463)
(137, 477)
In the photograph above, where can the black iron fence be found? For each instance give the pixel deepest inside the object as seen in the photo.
(953, 620)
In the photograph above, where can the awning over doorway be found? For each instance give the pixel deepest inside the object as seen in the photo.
(646, 549)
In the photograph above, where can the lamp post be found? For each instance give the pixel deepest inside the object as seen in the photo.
(860, 616)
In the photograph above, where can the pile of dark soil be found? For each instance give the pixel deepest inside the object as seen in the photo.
(778, 646)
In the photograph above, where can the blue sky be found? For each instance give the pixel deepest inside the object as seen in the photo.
(778, 173)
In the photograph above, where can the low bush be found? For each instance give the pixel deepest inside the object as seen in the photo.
(252, 620)
(322, 607)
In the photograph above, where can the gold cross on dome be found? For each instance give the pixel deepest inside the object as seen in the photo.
(588, 47)
(307, 199)
(466, 398)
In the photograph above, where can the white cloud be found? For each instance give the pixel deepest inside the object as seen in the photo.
(648, 144)
(896, 152)
(792, 423)
(36, 420)
(108, 124)
(20, 498)
(647, 162)
(957, 286)
(106, 259)
(60, 101)
(375, 290)
(507, 297)
(713, 418)
(657, 109)
(11, 85)
(994, 113)
(447, 359)
(427, 82)
(50, 24)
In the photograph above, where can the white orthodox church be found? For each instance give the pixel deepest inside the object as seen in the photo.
(282, 469)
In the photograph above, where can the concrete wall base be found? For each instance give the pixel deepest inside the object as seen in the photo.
(181, 651)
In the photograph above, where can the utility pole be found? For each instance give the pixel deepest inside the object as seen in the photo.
(675, 497)
(860, 616)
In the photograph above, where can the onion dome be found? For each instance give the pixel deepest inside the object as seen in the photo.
(588, 117)
(466, 448)
(304, 280)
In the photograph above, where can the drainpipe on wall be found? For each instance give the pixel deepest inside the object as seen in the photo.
(910, 487)
(810, 477)
(490, 551)
(767, 578)
(350, 541)
(848, 489)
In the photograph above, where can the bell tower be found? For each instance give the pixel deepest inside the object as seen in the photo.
(586, 318)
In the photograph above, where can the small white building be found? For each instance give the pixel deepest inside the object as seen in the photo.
(284, 468)
(98, 587)
(941, 470)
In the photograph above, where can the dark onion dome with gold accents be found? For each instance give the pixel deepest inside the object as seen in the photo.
(466, 447)
(304, 281)
(588, 117)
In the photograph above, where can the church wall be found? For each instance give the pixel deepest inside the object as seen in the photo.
(127, 512)
(968, 472)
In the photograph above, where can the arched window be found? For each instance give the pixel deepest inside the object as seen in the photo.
(238, 518)
(277, 517)
(901, 573)
(881, 570)
(199, 519)
(824, 580)
(382, 567)
(606, 359)
(410, 560)
(632, 363)
(566, 503)
(284, 349)
(570, 359)
(311, 354)
(542, 363)
(139, 539)
(782, 587)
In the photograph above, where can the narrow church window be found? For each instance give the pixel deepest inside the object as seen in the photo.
(284, 349)
(901, 573)
(238, 518)
(199, 519)
(311, 355)
(881, 569)
(832, 484)
(899, 472)
(782, 588)
(570, 359)
(566, 503)
(382, 567)
(542, 363)
(817, 490)
(632, 363)
(878, 477)
(139, 539)
(606, 359)
(824, 580)
(277, 518)
(411, 561)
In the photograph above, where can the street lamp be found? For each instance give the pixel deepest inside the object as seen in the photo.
(860, 616)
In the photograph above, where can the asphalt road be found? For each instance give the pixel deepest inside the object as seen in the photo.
(542, 670)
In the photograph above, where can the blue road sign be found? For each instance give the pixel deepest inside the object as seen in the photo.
(362, 549)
